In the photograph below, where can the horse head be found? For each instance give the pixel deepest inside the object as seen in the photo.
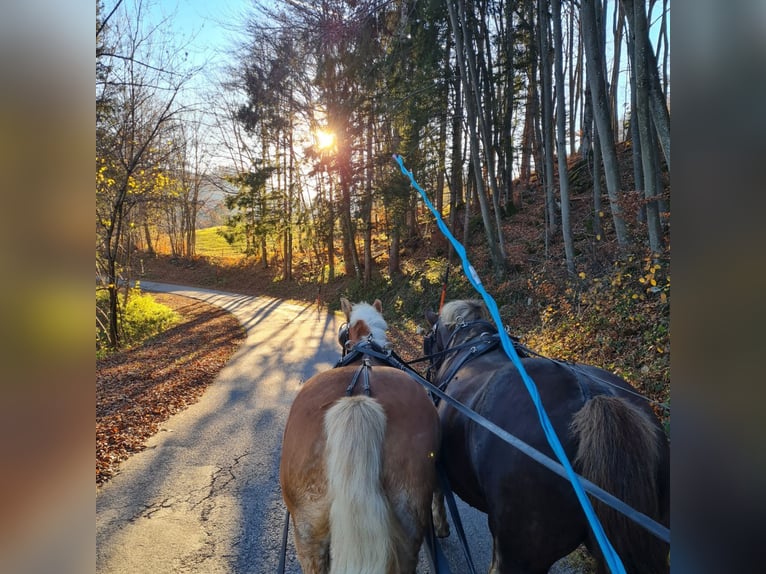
(363, 321)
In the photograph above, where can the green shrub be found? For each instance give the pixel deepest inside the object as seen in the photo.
(141, 318)
(144, 318)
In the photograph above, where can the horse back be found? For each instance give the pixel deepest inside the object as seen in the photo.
(412, 429)
(534, 512)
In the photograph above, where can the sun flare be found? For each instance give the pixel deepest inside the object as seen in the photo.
(324, 139)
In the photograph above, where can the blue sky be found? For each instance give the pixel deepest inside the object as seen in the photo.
(211, 27)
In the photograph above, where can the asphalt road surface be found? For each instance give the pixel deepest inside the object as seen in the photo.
(204, 496)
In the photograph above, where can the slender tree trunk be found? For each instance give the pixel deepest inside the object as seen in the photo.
(635, 139)
(647, 64)
(456, 162)
(586, 141)
(350, 255)
(594, 57)
(644, 120)
(666, 51)
(561, 130)
(597, 231)
(580, 93)
(442, 144)
(367, 201)
(290, 191)
(330, 238)
(546, 81)
(148, 238)
(614, 85)
(394, 264)
(571, 73)
(507, 126)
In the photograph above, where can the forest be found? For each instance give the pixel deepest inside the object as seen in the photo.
(540, 131)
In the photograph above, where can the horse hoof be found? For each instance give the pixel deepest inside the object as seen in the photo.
(442, 532)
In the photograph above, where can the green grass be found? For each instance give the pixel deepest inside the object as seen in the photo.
(141, 319)
(211, 244)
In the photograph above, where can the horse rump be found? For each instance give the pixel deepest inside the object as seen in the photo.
(363, 530)
(624, 452)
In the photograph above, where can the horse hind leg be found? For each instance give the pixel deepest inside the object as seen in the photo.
(439, 514)
(311, 534)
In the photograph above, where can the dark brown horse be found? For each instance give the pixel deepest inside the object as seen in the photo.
(357, 471)
(611, 435)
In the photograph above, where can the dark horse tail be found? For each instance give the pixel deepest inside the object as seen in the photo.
(622, 451)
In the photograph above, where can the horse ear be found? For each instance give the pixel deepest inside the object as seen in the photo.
(378, 306)
(345, 306)
(431, 317)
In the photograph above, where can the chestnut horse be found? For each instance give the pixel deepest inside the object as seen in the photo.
(358, 471)
(607, 430)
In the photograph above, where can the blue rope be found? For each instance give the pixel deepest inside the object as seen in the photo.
(610, 555)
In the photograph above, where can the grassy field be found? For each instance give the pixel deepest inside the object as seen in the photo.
(211, 244)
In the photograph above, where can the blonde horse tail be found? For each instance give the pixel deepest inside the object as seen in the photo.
(361, 521)
(620, 450)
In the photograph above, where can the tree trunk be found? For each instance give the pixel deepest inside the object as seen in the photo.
(394, 265)
(597, 231)
(442, 143)
(594, 56)
(367, 202)
(350, 255)
(571, 80)
(566, 228)
(643, 118)
(456, 160)
(507, 127)
(546, 81)
(646, 60)
(148, 238)
(330, 237)
(615, 83)
(289, 190)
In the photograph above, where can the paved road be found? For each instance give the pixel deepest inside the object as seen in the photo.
(204, 497)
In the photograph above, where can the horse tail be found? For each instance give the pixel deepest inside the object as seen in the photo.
(362, 527)
(620, 450)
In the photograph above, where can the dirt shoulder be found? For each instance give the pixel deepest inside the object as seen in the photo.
(137, 389)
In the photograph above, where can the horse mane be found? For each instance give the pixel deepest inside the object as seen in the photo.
(373, 319)
(463, 310)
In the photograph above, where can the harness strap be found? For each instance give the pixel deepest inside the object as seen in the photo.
(450, 498)
(434, 553)
(474, 351)
(364, 369)
(283, 550)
